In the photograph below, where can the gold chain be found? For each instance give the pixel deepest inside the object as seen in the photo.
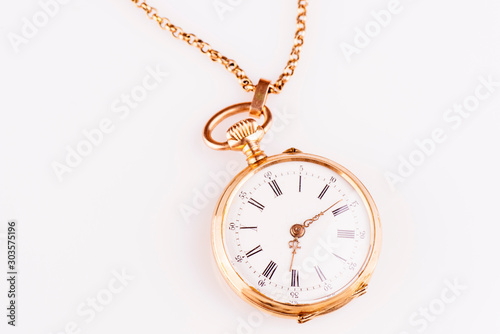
(230, 64)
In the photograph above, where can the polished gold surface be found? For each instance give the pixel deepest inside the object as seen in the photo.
(243, 129)
(230, 64)
(300, 312)
(292, 150)
(259, 98)
(245, 136)
(226, 113)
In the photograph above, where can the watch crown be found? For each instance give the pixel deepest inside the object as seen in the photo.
(243, 129)
(245, 136)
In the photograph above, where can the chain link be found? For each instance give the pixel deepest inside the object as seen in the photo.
(230, 64)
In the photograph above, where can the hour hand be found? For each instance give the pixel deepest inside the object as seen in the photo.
(294, 245)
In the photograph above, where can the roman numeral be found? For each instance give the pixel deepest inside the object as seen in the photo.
(340, 210)
(248, 228)
(254, 251)
(338, 257)
(295, 278)
(276, 189)
(300, 183)
(347, 234)
(270, 269)
(320, 273)
(256, 204)
(323, 192)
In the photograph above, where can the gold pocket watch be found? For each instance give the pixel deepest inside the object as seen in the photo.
(293, 234)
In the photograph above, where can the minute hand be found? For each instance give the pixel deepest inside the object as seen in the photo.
(313, 219)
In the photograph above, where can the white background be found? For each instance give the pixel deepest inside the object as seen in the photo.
(120, 208)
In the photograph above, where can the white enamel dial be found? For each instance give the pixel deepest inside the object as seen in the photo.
(257, 238)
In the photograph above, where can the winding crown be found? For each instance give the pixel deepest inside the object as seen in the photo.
(245, 136)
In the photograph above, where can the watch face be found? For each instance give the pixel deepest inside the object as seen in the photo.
(330, 241)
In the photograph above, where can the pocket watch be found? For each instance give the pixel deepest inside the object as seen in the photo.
(293, 234)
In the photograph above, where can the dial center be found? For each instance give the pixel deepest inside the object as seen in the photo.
(297, 230)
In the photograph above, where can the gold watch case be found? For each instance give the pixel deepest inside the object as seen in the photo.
(301, 312)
